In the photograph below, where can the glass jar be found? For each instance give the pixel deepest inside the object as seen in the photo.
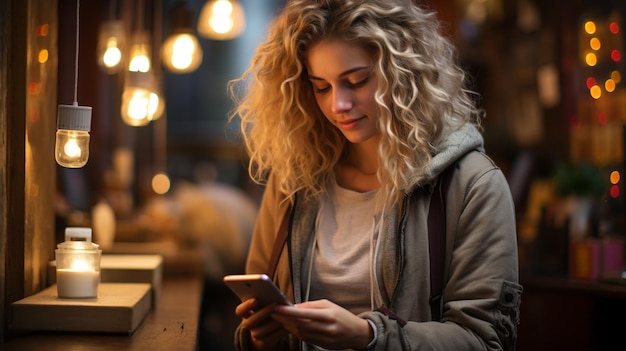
(78, 264)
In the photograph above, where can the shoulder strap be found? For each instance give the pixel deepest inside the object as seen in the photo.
(437, 240)
(281, 238)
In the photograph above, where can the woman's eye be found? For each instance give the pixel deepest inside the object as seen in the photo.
(358, 83)
(321, 89)
(348, 83)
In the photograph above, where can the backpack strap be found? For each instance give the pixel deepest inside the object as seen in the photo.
(437, 241)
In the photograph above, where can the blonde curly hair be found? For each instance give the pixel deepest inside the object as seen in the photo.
(421, 93)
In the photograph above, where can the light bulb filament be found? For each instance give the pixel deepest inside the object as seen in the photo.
(182, 55)
(139, 63)
(221, 17)
(71, 148)
(113, 55)
(142, 106)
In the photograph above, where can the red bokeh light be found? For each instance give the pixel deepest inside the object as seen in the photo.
(614, 191)
(615, 55)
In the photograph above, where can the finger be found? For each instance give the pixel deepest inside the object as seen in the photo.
(305, 329)
(257, 318)
(245, 309)
(302, 313)
(287, 321)
(316, 304)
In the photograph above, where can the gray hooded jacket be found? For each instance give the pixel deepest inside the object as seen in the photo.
(481, 294)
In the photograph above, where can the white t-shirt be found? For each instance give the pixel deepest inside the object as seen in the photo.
(340, 270)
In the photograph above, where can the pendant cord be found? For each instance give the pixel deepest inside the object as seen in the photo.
(76, 62)
(113, 10)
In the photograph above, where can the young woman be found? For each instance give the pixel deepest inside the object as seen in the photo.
(351, 111)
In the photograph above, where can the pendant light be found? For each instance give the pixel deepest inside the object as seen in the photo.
(221, 20)
(141, 102)
(111, 43)
(181, 52)
(73, 123)
(111, 47)
(140, 55)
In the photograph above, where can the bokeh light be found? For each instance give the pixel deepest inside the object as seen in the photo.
(591, 59)
(590, 27)
(595, 92)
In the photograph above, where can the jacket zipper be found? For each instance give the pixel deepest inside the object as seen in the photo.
(402, 231)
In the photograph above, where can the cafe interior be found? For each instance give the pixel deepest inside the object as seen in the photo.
(114, 128)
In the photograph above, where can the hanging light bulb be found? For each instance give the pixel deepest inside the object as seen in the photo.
(71, 149)
(181, 52)
(221, 19)
(140, 53)
(111, 46)
(141, 102)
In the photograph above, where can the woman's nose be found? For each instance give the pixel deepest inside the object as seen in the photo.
(342, 101)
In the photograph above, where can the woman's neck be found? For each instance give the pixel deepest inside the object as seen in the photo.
(357, 169)
(362, 156)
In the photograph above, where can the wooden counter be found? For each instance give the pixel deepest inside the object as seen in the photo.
(171, 325)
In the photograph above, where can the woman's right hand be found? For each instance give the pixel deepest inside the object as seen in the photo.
(266, 333)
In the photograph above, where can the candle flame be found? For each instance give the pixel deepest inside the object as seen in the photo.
(80, 265)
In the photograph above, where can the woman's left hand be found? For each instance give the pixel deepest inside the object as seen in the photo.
(325, 324)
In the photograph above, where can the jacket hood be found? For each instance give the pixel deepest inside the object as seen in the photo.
(452, 147)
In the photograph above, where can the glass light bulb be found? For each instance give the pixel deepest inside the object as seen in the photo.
(139, 63)
(141, 102)
(181, 53)
(112, 55)
(140, 57)
(140, 106)
(72, 148)
(111, 46)
(221, 19)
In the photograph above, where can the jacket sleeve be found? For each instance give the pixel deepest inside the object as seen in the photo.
(481, 294)
(272, 209)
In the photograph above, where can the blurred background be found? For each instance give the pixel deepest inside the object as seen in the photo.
(551, 86)
(169, 174)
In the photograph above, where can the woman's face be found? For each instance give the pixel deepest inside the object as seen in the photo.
(344, 84)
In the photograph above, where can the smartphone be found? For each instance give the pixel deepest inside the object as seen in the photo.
(258, 286)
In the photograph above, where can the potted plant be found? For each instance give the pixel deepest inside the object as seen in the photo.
(580, 185)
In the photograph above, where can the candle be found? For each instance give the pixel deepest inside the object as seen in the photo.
(78, 265)
(74, 283)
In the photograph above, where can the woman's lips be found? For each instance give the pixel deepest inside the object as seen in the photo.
(351, 123)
